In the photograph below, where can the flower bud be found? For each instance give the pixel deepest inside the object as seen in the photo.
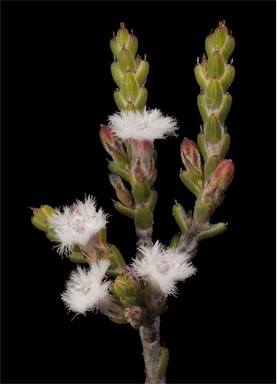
(143, 218)
(214, 94)
(191, 159)
(215, 65)
(141, 98)
(142, 164)
(117, 73)
(213, 130)
(142, 70)
(228, 77)
(113, 146)
(221, 33)
(224, 108)
(129, 88)
(126, 60)
(219, 181)
(40, 216)
(122, 192)
(200, 76)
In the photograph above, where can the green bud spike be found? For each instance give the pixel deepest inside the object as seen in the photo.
(220, 35)
(228, 77)
(126, 60)
(141, 191)
(225, 144)
(143, 218)
(200, 76)
(213, 129)
(117, 170)
(152, 201)
(124, 210)
(141, 99)
(213, 230)
(202, 145)
(142, 71)
(186, 179)
(117, 73)
(224, 108)
(214, 94)
(228, 48)
(215, 65)
(129, 88)
(180, 217)
(210, 166)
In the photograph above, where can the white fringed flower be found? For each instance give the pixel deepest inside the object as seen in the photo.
(164, 266)
(77, 224)
(86, 288)
(142, 125)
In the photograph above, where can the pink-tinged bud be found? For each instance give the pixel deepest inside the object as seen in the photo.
(142, 164)
(113, 146)
(219, 181)
(191, 159)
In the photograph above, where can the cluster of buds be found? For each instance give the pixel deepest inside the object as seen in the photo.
(129, 71)
(207, 173)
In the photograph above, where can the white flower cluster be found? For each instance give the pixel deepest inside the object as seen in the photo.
(87, 287)
(142, 125)
(77, 224)
(164, 266)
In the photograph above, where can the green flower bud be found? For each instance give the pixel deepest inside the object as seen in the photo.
(141, 98)
(213, 129)
(225, 144)
(152, 200)
(220, 35)
(117, 73)
(228, 48)
(141, 191)
(189, 183)
(228, 77)
(202, 145)
(123, 287)
(213, 230)
(202, 106)
(214, 94)
(142, 70)
(129, 88)
(200, 76)
(124, 210)
(215, 65)
(143, 218)
(117, 170)
(126, 60)
(224, 108)
(180, 217)
(210, 166)
(40, 217)
(120, 102)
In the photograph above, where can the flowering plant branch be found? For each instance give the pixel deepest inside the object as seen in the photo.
(133, 289)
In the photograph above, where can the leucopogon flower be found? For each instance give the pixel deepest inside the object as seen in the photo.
(87, 287)
(76, 224)
(142, 125)
(163, 266)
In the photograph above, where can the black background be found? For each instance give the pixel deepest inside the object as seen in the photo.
(56, 91)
